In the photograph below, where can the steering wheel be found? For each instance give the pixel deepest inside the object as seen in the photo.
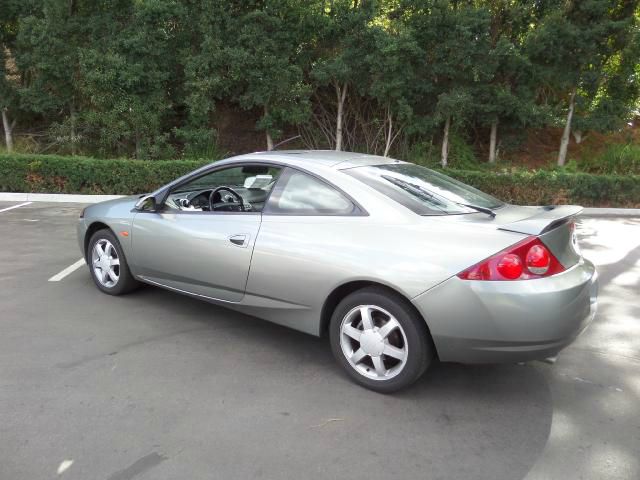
(213, 205)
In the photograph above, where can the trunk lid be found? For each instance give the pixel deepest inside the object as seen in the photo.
(553, 225)
(535, 220)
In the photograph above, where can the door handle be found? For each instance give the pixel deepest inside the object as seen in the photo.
(240, 240)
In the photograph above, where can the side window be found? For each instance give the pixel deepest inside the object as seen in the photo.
(241, 189)
(302, 194)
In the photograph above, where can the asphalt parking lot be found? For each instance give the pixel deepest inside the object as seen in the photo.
(154, 385)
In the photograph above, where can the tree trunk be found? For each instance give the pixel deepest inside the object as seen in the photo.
(577, 135)
(8, 130)
(387, 146)
(138, 146)
(72, 113)
(341, 94)
(266, 132)
(445, 142)
(492, 141)
(564, 143)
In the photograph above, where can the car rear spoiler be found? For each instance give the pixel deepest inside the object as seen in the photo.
(545, 219)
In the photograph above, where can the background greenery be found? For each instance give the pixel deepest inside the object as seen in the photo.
(64, 174)
(452, 82)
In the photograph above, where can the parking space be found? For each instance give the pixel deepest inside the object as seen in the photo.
(155, 385)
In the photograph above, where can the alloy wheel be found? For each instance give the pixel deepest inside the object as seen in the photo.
(105, 263)
(373, 342)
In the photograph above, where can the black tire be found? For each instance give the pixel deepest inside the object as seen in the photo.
(420, 350)
(126, 282)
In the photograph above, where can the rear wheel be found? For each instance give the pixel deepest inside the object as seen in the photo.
(380, 340)
(108, 265)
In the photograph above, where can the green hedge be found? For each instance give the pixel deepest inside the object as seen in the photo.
(55, 174)
(551, 187)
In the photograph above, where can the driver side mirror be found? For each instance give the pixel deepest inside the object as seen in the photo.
(147, 204)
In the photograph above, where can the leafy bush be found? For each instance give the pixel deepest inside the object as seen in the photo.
(199, 143)
(461, 155)
(555, 187)
(617, 159)
(55, 174)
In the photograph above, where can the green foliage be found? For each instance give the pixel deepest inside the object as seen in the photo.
(57, 174)
(555, 187)
(146, 79)
(343, 38)
(591, 48)
(263, 70)
(199, 143)
(461, 155)
(617, 159)
(127, 80)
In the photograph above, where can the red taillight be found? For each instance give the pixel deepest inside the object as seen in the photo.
(538, 260)
(510, 266)
(525, 260)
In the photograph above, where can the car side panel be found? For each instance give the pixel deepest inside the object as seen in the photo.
(193, 252)
(298, 261)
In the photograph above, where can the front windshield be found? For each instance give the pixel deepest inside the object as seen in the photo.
(422, 190)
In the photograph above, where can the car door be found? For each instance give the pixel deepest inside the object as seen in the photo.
(298, 256)
(201, 252)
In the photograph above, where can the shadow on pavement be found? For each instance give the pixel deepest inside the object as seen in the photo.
(277, 397)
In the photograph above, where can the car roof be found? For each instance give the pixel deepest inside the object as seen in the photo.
(324, 162)
(324, 158)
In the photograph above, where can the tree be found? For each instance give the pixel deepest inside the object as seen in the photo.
(9, 82)
(201, 61)
(10, 75)
(454, 38)
(391, 65)
(343, 40)
(126, 79)
(263, 71)
(145, 78)
(508, 94)
(48, 54)
(608, 98)
(573, 47)
(249, 55)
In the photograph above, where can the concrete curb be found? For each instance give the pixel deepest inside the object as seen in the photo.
(611, 212)
(73, 198)
(55, 197)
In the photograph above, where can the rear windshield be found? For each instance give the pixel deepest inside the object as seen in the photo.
(424, 191)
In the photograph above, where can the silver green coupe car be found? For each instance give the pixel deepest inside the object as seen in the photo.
(397, 263)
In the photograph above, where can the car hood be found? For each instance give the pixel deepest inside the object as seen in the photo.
(116, 208)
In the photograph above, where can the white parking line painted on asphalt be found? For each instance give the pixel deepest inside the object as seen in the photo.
(16, 206)
(70, 269)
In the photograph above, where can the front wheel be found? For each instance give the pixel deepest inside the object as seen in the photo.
(108, 265)
(380, 340)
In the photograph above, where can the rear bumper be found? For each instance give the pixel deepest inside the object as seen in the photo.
(495, 322)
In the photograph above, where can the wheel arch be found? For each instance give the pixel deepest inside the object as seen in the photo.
(340, 292)
(93, 228)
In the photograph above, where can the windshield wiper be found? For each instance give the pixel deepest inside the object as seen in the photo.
(486, 210)
(421, 192)
(415, 190)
